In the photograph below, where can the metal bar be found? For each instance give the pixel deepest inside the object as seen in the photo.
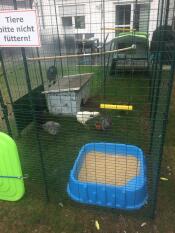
(108, 60)
(103, 53)
(154, 67)
(133, 47)
(59, 41)
(4, 74)
(5, 113)
(163, 135)
(164, 121)
(156, 92)
(15, 4)
(14, 177)
(27, 76)
(34, 117)
(135, 12)
(167, 12)
(40, 67)
(158, 74)
(37, 51)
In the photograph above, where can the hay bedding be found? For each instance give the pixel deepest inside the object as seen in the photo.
(108, 169)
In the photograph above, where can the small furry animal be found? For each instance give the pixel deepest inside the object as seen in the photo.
(104, 123)
(52, 74)
(51, 127)
(85, 116)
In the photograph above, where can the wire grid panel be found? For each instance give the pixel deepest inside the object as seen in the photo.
(80, 66)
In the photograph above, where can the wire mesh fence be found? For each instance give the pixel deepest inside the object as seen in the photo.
(88, 109)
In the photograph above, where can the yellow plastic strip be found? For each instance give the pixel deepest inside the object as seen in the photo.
(117, 107)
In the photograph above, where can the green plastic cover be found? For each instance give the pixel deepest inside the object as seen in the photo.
(11, 178)
(136, 34)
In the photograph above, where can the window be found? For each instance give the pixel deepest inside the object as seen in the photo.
(67, 21)
(79, 22)
(73, 15)
(131, 16)
(123, 15)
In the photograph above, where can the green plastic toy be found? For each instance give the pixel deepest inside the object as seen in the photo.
(11, 178)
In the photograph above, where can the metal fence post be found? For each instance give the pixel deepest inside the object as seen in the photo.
(5, 77)
(165, 114)
(5, 114)
(27, 76)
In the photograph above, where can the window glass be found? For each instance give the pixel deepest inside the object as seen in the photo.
(80, 22)
(123, 14)
(67, 21)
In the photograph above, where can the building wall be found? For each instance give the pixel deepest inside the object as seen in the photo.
(95, 20)
(8, 4)
(53, 32)
(153, 17)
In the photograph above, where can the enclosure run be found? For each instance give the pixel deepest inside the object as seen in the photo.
(88, 109)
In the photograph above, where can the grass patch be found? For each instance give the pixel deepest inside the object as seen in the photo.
(59, 153)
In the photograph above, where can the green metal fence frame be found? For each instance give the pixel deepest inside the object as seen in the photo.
(154, 96)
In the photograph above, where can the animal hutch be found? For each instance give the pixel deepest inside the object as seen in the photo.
(68, 94)
(117, 164)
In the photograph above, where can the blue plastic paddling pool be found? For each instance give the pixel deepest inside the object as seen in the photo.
(129, 196)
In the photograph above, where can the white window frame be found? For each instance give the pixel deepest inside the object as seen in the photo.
(84, 22)
(67, 17)
(73, 22)
(131, 19)
(77, 12)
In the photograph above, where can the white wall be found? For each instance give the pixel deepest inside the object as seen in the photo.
(49, 16)
(171, 13)
(153, 17)
(94, 19)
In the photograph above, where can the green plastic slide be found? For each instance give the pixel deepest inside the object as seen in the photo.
(11, 178)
